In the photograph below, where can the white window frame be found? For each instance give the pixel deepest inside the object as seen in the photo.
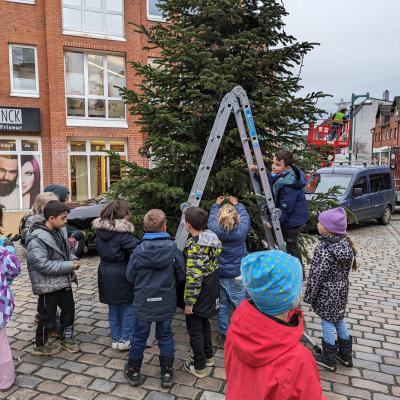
(87, 121)
(94, 34)
(32, 2)
(18, 152)
(19, 92)
(88, 153)
(152, 17)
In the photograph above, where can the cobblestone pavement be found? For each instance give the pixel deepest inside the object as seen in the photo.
(95, 373)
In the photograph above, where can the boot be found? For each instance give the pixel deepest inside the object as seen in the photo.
(132, 372)
(167, 373)
(345, 352)
(328, 357)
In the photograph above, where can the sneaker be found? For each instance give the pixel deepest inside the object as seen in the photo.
(167, 377)
(124, 345)
(47, 350)
(189, 367)
(114, 344)
(70, 345)
(132, 375)
(209, 361)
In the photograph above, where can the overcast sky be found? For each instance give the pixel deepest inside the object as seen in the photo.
(359, 46)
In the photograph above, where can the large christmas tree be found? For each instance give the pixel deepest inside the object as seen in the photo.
(206, 48)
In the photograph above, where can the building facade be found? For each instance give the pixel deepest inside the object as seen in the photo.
(386, 138)
(60, 108)
(363, 122)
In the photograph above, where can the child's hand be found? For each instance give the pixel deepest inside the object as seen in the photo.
(77, 264)
(188, 310)
(233, 200)
(220, 200)
(253, 168)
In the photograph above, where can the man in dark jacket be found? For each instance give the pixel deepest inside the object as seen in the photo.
(155, 268)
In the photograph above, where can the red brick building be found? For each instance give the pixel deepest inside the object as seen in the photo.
(386, 137)
(59, 108)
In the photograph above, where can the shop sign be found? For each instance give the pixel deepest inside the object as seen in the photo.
(14, 119)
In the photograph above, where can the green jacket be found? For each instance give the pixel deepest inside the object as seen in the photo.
(201, 255)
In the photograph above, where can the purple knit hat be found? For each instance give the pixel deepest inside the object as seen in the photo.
(334, 220)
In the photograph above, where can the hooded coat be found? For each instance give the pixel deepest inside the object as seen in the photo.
(289, 196)
(328, 281)
(233, 242)
(154, 269)
(10, 268)
(50, 266)
(114, 244)
(265, 360)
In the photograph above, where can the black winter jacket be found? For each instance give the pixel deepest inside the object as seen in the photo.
(155, 268)
(328, 282)
(114, 245)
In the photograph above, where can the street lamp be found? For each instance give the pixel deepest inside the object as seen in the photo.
(354, 97)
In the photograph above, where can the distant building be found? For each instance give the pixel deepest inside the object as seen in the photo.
(386, 137)
(363, 121)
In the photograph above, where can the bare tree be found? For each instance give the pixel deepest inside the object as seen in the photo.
(359, 148)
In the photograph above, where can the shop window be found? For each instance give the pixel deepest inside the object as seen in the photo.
(92, 171)
(20, 172)
(91, 82)
(23, 71)
(97, 17)
(153, 11)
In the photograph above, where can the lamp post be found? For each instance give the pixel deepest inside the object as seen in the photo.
(354, 97)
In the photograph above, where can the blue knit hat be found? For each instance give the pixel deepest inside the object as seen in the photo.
(273, 280)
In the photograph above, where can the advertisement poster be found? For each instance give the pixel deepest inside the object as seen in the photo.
(19, 177)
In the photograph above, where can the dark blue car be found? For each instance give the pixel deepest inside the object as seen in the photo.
(367, 191)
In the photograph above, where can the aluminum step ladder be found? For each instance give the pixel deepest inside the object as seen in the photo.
(237, 102)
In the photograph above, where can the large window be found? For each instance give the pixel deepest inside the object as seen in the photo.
(23, 71)
(153, 11)
(98, 17)
(91, 82)
(20, 172)
(91, 170)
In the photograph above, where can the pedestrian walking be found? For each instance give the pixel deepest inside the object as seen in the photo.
(264, 357)
(201, 294)
(155, 268)
(115, 243)
(328, 287)
(231, 223)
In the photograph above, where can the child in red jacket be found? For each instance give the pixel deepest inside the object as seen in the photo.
(263, 346)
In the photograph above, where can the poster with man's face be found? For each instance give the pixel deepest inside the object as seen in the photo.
(9, 189)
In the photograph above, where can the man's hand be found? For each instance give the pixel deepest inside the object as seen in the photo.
(233, 200)
(77, 264)
(188, 310)
(220, 200)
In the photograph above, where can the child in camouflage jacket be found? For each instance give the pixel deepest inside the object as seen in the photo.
(202, 289)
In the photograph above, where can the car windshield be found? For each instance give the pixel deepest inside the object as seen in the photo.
(321, 183)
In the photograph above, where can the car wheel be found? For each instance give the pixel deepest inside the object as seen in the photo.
(387, 214)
